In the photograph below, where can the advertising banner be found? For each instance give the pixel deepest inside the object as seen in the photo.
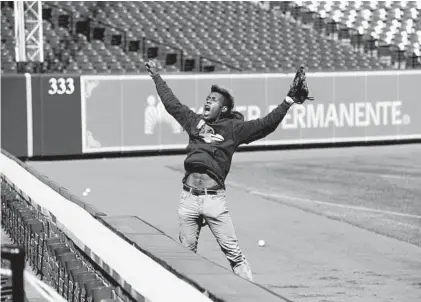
(124, 113)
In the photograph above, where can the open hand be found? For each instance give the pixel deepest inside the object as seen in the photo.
(151, 68)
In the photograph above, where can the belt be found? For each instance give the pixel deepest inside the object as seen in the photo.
(195, 191)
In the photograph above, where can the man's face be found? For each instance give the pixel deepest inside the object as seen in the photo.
(214, 106)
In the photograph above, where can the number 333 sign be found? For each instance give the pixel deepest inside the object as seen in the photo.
(61, 86)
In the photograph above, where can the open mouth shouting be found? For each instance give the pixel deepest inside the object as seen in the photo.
(206, 110)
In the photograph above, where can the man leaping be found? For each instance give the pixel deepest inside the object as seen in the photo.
(213, 138)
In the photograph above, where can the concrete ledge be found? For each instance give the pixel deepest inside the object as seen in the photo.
(218, 282)
(56, 187)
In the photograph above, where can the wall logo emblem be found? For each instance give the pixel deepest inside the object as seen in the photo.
(155, 114)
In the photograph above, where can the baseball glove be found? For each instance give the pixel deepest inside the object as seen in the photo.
(299, 90)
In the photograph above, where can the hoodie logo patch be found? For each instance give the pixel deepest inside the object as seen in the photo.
(207, 133)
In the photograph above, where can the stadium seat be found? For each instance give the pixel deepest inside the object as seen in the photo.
(91, 286)
(81, 280)
(99, 294)
(322, 35)
(73, 279)
(392, 24)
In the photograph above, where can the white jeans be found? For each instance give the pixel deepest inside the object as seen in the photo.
(213, 209)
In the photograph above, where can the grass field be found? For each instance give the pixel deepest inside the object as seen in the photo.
(340, 224)
(373, 189)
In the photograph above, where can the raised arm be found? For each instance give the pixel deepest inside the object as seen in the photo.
(249, 131)
(182, 113)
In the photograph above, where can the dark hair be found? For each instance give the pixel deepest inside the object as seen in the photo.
(228, 101)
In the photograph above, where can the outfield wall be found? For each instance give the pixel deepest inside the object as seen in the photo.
(65, 115)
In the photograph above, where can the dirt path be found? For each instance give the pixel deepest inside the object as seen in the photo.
(308, 257)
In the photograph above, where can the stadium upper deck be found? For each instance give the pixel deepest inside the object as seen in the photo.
(114, 37)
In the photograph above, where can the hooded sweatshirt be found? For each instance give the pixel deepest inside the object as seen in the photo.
(212, 145)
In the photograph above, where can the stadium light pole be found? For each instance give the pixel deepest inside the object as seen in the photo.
(20, 48)
(28, 31)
